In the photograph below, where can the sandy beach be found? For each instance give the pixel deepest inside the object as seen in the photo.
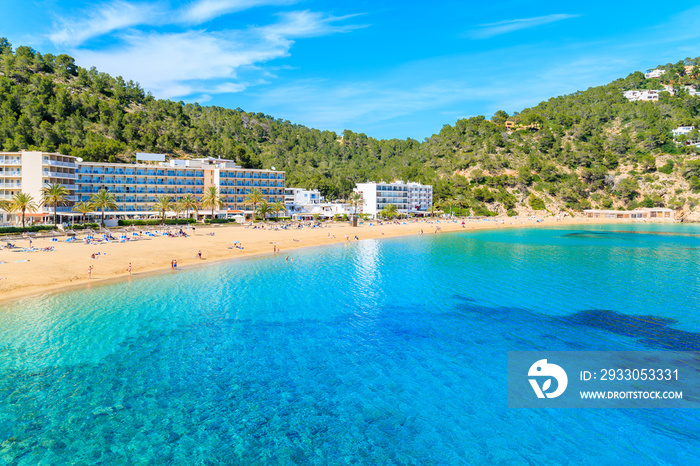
(36, 272)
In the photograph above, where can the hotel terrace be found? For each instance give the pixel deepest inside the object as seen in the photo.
(135, 185)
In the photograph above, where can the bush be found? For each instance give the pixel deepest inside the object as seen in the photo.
(482, 211)
(668, 168)
(209, 221)
(512, 213)
(647, 202)
(536, 203)
(84, 226)
(170, 221)
(29, 229)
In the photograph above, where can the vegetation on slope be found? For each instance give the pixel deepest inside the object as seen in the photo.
(590, 148)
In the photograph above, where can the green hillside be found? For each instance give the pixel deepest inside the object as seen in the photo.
(590, 148)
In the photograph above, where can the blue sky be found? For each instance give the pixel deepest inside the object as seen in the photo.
(387, 69)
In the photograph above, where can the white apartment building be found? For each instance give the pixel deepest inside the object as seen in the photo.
(643, 95)
(135, 186)
(30, 171)
(409, 198)
(657, 73)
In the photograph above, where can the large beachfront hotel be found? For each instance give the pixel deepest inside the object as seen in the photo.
(135, 185)
(409, 198)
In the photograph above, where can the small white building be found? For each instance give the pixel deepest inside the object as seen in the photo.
(299, 196)
(643, 95)
(409, 198)
(690, 89)
(299, 200)
(657, 73)
(322, 210)
(682, 130)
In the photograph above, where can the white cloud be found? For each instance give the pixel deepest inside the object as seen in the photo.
(298, 24)
(503, 27)
(205, 10)
(106, 19)
(185, 63)
(110, 17)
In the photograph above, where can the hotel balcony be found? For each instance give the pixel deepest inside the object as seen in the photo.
(10, 161)
(55, 174)
(56, 163)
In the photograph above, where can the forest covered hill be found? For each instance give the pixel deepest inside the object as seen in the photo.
(589, 148)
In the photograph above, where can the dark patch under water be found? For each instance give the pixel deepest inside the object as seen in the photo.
(587, 234)
(608, 234)
(651, 331)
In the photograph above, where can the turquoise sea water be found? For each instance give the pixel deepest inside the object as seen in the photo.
(375, 352)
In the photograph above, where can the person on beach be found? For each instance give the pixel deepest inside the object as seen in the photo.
(90, 272)
(199, 255)
(173, 264)
(128, 269)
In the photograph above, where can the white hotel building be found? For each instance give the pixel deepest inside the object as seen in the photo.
(135, 186)
(30, 171)
(409, 198)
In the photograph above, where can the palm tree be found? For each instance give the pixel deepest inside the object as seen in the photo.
(177, 208)
(278, 207)
(254, 197)
(432, 209)
(461, 201)
(448, 203)
(355, 202)
(82, 207)
(54, 194)
(162, 205)
(212, 199)
(23, 202)
(102, 200)
(389, 211)
(264, 209)
(188, 202)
